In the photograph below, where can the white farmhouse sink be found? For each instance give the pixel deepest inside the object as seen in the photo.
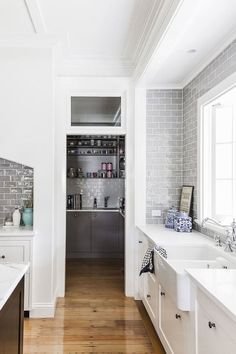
(198, 252)
(171, 271)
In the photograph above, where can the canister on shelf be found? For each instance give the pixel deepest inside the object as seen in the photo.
(109, 166)
(104, 166)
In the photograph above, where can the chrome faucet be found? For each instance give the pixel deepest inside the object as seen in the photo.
(230, 240)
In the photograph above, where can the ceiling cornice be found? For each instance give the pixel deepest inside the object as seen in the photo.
(35, 16)
(166, 12)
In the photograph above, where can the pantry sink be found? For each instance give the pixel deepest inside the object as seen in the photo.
(172, 274)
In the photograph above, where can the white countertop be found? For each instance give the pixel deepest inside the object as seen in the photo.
(161, 235)
(219, 285)
(10, 276)
(16, 231)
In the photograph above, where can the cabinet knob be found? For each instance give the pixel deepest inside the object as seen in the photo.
(162, 293)
(211, 324)
(75, 215)
(3, 256)
(148, 296)
(177, 316)
(140, 241)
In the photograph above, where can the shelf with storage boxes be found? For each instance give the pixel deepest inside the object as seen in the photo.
(18, 249)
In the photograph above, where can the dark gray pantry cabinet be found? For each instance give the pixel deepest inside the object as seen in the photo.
(95, 234)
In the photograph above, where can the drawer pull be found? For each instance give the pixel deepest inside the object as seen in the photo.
(177, 316)
(148, 296)
(140, 241)
(211, 324)
(3, 256)
(162, 293)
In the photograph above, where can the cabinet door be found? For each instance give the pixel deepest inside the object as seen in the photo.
(175, 325)
(12, 321)
(105, 232)
(215, 332)
(78, 233)
(150, 297)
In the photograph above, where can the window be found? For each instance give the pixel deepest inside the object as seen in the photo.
(218, 157)
(96, 111)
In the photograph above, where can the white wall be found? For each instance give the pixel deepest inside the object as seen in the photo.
(26, 136)
(65, 85)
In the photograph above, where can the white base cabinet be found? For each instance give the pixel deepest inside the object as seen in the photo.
(206, 329)
(214, 330)
(18, 249)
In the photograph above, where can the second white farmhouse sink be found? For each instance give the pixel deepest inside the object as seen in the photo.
(171, 271)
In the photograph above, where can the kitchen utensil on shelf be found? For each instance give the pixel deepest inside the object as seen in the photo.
(71, 201)
(109, 174)
(71, 172)
(122, 163)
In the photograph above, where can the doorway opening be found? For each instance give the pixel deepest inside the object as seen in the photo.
(95, 216)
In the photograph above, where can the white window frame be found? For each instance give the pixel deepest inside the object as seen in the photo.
(77, 129)
(204, 100)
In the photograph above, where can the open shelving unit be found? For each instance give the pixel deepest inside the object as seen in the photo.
(86, 153)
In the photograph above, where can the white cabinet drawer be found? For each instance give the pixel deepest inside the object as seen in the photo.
(14, 252)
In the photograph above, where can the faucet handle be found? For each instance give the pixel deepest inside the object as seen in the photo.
(228, 242)
(218, 241)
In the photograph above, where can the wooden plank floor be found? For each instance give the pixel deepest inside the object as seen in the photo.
(94, 316)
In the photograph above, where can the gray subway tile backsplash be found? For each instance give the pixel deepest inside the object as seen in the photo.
(172, 135)
(16, 185)
(164, 151)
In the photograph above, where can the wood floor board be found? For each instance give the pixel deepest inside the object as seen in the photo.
(94, 317)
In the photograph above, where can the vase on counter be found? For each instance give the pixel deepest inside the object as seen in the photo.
(27, 216)
(16, 216)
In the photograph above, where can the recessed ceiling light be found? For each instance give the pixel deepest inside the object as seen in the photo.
(191, 51)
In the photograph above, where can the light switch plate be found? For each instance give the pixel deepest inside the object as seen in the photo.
(156, 212)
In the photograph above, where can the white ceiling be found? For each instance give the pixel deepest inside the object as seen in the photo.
(112, 37)
(14, 18)
(205, 25)
(100, 29)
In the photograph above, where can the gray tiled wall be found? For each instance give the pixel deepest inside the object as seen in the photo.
(16, 185)
(221, 67)
(97, 188)
(164, 151)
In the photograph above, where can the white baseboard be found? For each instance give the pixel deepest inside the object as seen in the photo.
(43, 310)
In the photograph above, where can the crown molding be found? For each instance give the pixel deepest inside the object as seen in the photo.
(132, 46)
(163, 18)
(222, 45)
(35, 16)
